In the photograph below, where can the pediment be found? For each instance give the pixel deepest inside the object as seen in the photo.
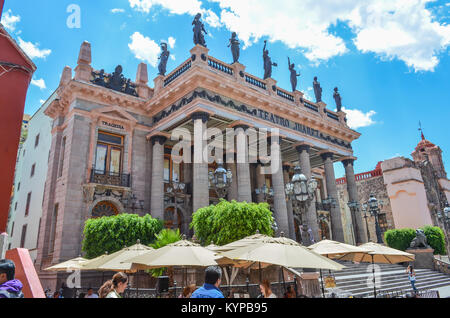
(116, 113)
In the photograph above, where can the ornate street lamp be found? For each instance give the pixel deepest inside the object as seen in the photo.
(265, 191)
(220, 180)
(301, 191)
(374, 210)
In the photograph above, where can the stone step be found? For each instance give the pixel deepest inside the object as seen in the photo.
(395, 273)
(361, 284)
(390, 278)
(426, 284)
(360, 269)
(406, 289)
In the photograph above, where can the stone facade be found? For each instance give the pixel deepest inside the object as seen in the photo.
(90, 121)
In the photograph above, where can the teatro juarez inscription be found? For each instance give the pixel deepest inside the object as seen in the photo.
(267, 116)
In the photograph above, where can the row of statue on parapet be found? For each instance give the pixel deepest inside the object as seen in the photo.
(234, 43)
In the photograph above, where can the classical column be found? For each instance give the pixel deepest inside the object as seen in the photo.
(260, 181)
(290, 210)
(243, 166)
(335, 211)
(279, 194)
(157, 196)
(200, 167)
(233, 190)
(358, 225)
(311, 214)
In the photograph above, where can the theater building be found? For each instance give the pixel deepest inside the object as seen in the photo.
(111, 150)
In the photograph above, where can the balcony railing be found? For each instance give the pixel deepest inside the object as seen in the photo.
(362, 176)
(110, 178)
(254, 81)
(311, 106)
(220, 66)
(175, 74)
(285, 95)
(332, 116)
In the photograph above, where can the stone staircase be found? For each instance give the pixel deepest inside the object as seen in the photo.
(390, 278)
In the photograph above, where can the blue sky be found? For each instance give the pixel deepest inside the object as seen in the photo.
(390, 59)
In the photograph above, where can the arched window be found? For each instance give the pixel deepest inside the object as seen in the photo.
(104, 208)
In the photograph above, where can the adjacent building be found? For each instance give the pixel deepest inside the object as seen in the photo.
(412, 193)
(29, 182)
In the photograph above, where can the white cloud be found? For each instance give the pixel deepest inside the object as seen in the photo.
(32, 49)
(403, 29)
(9, 20)
(144, 48)
(39, 83)
(171, 41)
(191, 7)
(117, 10)
(41, 101)
(357, 118)
(212, 19)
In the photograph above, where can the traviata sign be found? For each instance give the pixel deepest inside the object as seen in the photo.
(112, 125)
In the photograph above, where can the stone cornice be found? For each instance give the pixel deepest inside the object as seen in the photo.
(93, 93)
(241, 92)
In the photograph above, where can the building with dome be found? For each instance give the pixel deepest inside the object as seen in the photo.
(412, 193)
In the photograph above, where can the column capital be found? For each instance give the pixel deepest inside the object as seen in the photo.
(348, 161)
(302, 147)
(240, 124)
(327, 154)
(204, 116)
(158, 138)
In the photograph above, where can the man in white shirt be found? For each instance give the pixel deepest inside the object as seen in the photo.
(91, 294)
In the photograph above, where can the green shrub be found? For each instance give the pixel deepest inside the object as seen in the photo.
(399, 239)
(112, 233)
(230, 221)
(435, 238)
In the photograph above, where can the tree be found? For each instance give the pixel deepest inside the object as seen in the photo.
(230, 221)
(165, 237)
(112, 233)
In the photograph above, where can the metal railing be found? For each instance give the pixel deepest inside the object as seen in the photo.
(254, 81)
(110, 178)
(220, 66)
(311, 106)
(332, 116)
(175, 74)
(285, 95)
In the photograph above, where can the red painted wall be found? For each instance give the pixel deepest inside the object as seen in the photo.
(26, 273)
(13, 89)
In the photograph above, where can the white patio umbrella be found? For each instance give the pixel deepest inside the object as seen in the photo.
(383, 254)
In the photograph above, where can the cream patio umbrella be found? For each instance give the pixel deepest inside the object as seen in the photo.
(338, 251)
(382, 254)
(72, 264)
(279, 251)
(116, 261)
(179, 254)
(283, 252)
(240, 243)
